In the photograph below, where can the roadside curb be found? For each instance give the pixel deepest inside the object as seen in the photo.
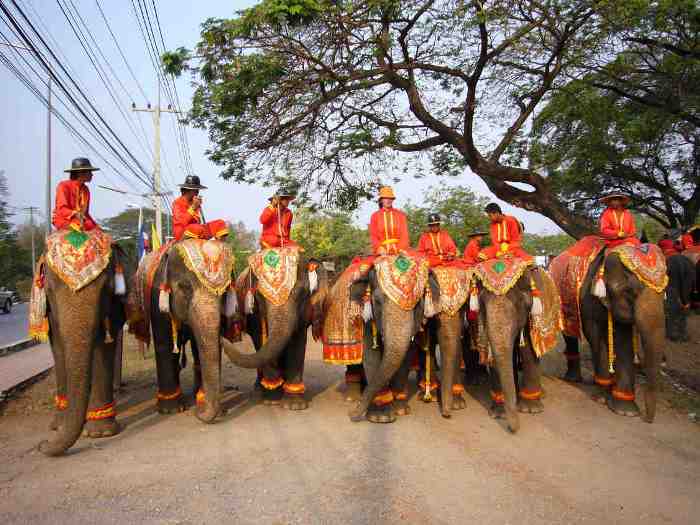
(17, 346)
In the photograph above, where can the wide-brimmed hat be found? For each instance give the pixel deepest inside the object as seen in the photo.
(693, 228)
(476, 234)
(386, 192)
(81, 164)
(624, 198)
(434, 218)
(283, 193)
(192, 183)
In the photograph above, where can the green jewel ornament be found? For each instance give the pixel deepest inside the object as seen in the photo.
(499, 267)
(76, 238)
(402, 264)
(272, 259)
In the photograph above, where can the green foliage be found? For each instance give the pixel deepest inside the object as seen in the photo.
(329, 235)
(275, 13)
(123, 228)
(535, 244)
(15, 260)
(243, 242)
(175, 62)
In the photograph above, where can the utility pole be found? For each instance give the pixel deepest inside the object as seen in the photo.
(156, 157)
(31, 210)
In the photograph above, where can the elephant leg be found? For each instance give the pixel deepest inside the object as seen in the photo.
(354, 378)
(622, 399)
(649, 322)
(380, 409)
(497, 409)
(399, 388)
(101, 417)
(475, 373)
(451, 389)
(573, 360)
(61, 396)
(294, 388)
(196, 366)
(597, 336)
(530, 392)
(272, 382)
(169, 396)
(254, 331)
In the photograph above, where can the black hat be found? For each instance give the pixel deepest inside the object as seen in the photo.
(81, 164)
(476, 233)
(434, 218)
(192, 183)
(282, 193)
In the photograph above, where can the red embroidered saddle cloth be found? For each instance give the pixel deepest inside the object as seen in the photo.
(140, 295)
(402, 278)
(545, 328)
(646, 261)
(211, 261)
(78, 257)
(500, 275)
(276, 272)
(568, 270)
(454, 282)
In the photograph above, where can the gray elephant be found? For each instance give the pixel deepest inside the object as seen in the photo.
(281, 294)
(681, 284)
(84, 285)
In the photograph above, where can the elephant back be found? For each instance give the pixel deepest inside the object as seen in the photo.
(402, 278)
(647, 262)
(211, 261)
(276, 272)
(77, 257)
(454, 283)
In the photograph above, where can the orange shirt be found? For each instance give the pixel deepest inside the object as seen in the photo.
(388, 231)
(668, 247)
(436, 246)
(72, 199)
(506, 232)
(471, 252)
(686, 241)
(184, 216)
(612, 222)
(276, 227)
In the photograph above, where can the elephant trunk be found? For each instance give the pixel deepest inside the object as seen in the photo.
(205, 325)
(649, 321)
(449, 338)
(281, 327)
(500, 323)
(79, 359)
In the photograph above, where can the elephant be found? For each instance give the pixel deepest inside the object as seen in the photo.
(279, 332)
(681, 283)
(180, 301)
(633, 306)
(504, 323)
(385, 358)
(83, 327)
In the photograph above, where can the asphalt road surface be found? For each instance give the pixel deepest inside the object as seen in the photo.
(14, 326)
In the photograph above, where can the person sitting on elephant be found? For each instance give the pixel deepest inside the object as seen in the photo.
(436, 244)
(72, 208)
(617, 223)
(388, 227)
(506, 236)
(187, 214)
(471, 251)
(276, 220)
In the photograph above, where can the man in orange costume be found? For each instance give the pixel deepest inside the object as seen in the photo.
(436, 244)
(187, 214)
(388, 227)
(617, 223)
(276, 220)
(471, 251)
(72, 208)
(506, 236)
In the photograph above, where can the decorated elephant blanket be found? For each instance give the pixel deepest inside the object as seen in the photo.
(454, 283)
(343, 329)
(500, 275)
(545, 328)
(647, 262)
(78, 257)
(211, 261)
(568, 271)
(276, 272)
(402, 278)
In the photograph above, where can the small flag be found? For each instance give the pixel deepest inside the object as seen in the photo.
(155, 240)
(141, 243)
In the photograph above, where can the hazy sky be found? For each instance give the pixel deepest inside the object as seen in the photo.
(23, 123)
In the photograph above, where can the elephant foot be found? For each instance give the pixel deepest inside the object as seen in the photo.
(294, 402)
(530, 406)
(458, 402)
(207, 414)
(101, 428)
(356, 413)
(600, 396)
(623, 407)
(353, 392)
(497, 411)
(401, 407)
(171, 406)
(55, 422)
(272, 397)
(381, 414)
(573, 375)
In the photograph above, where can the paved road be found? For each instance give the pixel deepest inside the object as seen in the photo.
(20, 366)
(14, 326)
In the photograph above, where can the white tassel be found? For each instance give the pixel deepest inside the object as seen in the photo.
(522, 338)
(249, 302)
(231, 306)
(599, 288)
(473, 302)
(119, 283)
(428, 306)
(367, 311)
(313, 281)
(537, 308)
(164, 301)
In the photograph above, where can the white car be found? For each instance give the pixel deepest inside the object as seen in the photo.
(6, 299)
